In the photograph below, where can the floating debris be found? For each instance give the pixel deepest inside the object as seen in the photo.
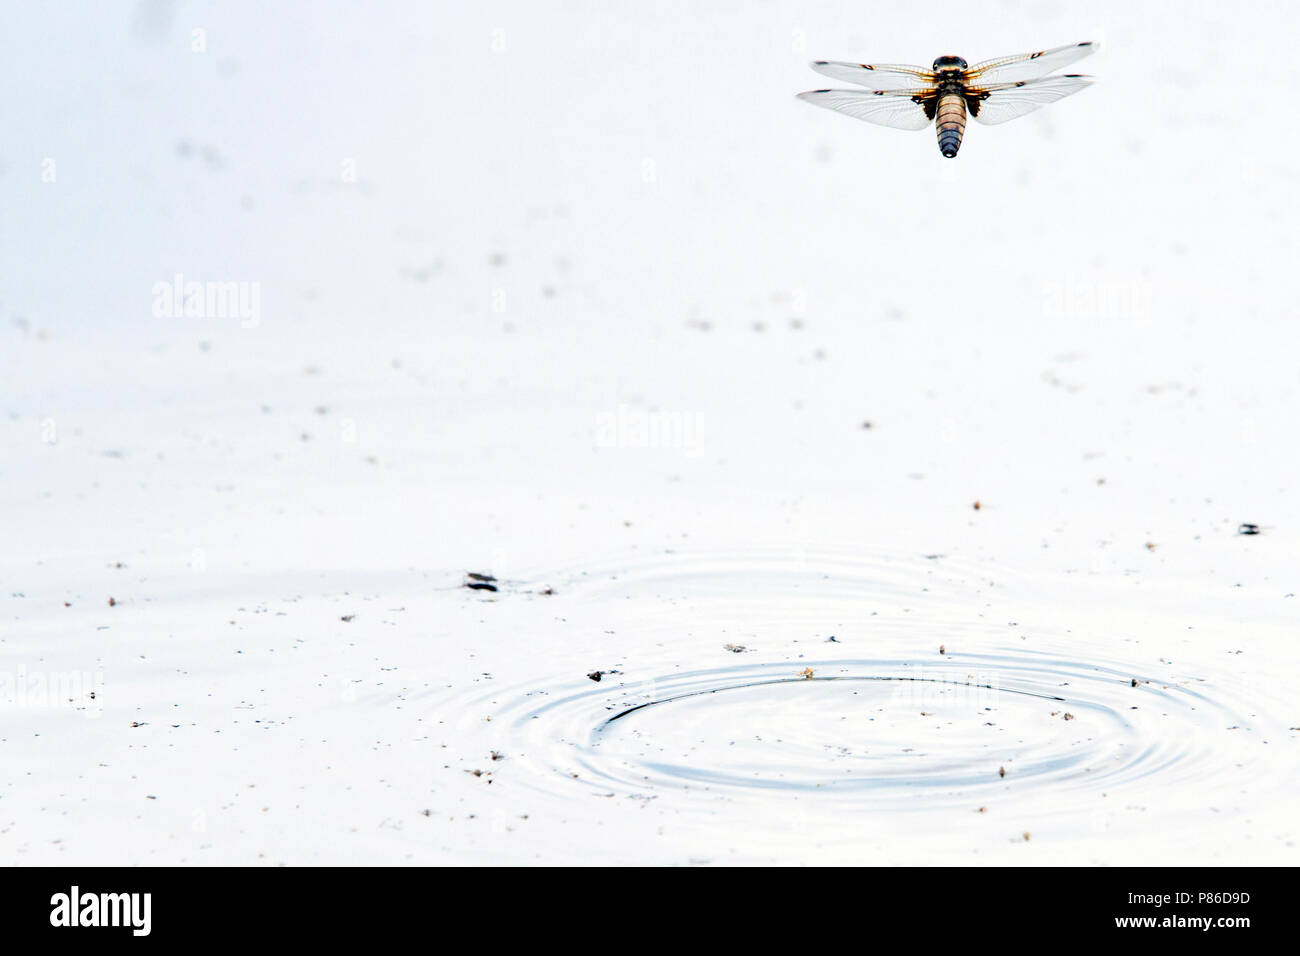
(347, 617)
(1248, 529)
(477, 581)
(1002, 771)
(735, 648)
(597, 675)
(806, 673)
(943, 649)
(977, 506)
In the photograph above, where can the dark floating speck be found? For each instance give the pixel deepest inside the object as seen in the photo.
(478, 581)
(1248, 529)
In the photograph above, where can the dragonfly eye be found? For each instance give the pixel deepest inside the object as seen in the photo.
(948, 62)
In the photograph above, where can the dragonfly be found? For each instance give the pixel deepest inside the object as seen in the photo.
(911, 97)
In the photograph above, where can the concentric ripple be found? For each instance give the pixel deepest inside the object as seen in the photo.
(880, 730)
(841, 705)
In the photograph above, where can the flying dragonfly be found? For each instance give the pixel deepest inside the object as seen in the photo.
(910, 97)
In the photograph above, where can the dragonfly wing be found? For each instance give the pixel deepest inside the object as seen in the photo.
(1027, 66)
(901, 109)
(876, 76)
(1001, 102)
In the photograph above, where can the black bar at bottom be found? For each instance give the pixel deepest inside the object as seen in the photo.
(630, 905)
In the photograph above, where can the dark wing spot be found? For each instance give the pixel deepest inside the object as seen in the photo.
(1037, 55)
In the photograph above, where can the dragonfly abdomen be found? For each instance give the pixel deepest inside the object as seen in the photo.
(950, 123)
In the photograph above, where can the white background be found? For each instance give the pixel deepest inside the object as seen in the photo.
(576, 217)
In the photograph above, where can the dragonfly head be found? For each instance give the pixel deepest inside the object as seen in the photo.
(949, 63)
